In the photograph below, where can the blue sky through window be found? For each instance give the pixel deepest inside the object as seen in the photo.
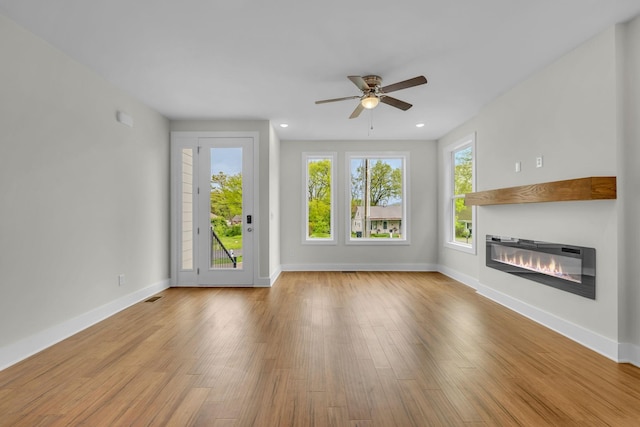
(226, 160)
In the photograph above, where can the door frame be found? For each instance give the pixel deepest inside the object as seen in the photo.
(190, 139)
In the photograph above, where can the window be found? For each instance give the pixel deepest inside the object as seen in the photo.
(377, 211)
(459, 218)
(187, 209)
(319, 197)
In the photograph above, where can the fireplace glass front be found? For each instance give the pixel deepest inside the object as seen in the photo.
(567, 267)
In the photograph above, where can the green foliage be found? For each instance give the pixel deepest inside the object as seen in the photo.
(354, 206)
(463, 183)
(234, 242)
(319, 180)
(385, 183)
(460, 207)
(219, 226)
(463, 215)
(384, 235)
(234, 230)
(226, 195)
(319, 218)
(463, 172)
(319, 197)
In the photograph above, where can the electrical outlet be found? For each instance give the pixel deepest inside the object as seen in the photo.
(121, 280)
(518, 166)
(539, 161)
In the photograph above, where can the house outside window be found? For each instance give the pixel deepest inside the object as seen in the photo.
(378, 205)
(460, 179)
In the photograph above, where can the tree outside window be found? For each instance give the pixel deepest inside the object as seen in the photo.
(462, 184)
(319, 197)
(377, 207)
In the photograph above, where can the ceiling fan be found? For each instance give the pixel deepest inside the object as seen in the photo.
(373, 93)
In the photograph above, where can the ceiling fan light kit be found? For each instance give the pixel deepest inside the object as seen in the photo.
(370, 101)
(373, 93)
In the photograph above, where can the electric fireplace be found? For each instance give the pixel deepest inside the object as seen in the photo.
(566, 267)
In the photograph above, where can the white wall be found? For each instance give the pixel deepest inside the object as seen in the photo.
(265, 148)
(274, 205)
(629, 159)
(568, 113)
(420, 254)
(83, 198)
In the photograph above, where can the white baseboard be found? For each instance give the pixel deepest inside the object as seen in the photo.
(359, 267)
(465, 279)
(275, 275)
(259, 282)
(605, 346)
(629, 353)
(20, 350)
(262, 282)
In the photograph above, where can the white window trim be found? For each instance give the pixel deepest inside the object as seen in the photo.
(406, 226)
(448, 162)
(306, 156)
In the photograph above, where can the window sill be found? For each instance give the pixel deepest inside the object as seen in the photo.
(461, 247)
(325, 242)
(378, 242)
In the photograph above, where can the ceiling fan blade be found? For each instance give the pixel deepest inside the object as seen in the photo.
(324, 101)
(357, 111)
(404, 106)
(416, 81)
(359, 81)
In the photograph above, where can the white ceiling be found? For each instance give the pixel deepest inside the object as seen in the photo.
(270, 60)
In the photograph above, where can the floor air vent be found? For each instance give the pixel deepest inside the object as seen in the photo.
(153, 299)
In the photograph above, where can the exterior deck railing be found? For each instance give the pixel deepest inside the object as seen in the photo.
(221, 257)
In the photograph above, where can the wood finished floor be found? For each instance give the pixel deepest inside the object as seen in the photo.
(320, 349)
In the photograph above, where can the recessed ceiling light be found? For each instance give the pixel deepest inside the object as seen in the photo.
(420, 125)
(284, 125)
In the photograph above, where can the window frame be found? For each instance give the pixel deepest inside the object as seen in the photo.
(406, 223)
(306, 156)
(449, 152)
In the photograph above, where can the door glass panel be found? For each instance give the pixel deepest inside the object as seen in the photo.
(226, 208)
(187, 209)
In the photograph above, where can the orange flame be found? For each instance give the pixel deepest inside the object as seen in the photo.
(550, 266)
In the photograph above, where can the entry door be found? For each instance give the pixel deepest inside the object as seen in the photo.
(225, 211)
(212, 199)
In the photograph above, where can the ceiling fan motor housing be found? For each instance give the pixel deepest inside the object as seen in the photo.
(373, 81)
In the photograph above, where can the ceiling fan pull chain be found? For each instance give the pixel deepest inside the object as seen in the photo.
(370, 123)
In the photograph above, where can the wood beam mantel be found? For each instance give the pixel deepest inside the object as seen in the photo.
(590, 188)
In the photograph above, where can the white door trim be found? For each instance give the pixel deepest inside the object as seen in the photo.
(189, 139)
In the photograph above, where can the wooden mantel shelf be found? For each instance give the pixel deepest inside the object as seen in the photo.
(591, 188)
